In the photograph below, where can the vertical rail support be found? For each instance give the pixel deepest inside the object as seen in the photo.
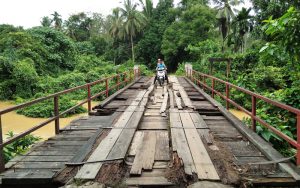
(106, 87)
(130, 76)
(213, 88)
(56, 113)
(253, 113)
(227, 96)
(89, 98)
(136, 71)
(118, 81)
(203, 82)
(298, 139)
(2, 163)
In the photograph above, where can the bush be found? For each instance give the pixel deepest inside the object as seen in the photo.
(45, 109)
(19, 146)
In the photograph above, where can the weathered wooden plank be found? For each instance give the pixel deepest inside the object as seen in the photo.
(186, 100)
(144, 181)
(165, 102)
(183, 151)
(171, 98)
(204, 166)
(25, 176)
(144, 158)
(137, 140)
(65, 143)
(155, 125)
(198, 121)
(39, 165)
(53, 152)
(45, 158)
(204, 133)
(89, 171)
(162, 146)
(178, 101)
(86, 148)
(121, 146)
(186, 120)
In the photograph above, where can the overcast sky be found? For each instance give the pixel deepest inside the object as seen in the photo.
(28, 13)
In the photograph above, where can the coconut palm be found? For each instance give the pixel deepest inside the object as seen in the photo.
(116, 24)
(147, 8)
(225, 15)
(57, 20)
(134, 21)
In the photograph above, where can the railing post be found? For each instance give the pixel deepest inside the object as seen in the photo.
(130, 76)
(253, 113)
(203, 82)
(118, 81)
(89, 98)
(2, 163)
(106, 87)
(56, 113)
(213, 88)
(298, 139)
(136, 71)
(227, 96)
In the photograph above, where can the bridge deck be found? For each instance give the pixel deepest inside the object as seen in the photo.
(157, 136)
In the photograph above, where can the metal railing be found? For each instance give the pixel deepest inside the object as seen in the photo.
(200, 79)
(127, 78)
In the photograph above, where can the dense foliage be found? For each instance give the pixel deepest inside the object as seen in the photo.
(61, 54)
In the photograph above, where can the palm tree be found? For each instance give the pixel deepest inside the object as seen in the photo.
(241, 25)
(225, 15)
(46, 21)
(133, 23)
(116, 24)
(57, 20)
(147, 8)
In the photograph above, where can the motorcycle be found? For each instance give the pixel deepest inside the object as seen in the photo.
(161, 76)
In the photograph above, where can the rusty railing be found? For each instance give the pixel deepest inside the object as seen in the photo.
(127, 78)
(200, 79)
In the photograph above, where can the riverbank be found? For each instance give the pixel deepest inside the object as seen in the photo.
(19, 123)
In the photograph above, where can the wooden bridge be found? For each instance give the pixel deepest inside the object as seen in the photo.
(145, 135)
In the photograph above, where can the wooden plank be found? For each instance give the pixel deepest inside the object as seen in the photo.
(45, 158)
(165, 102)
(27, 176)
(151, 181)
(162, 149)
(86, 148)
(39, 165)
(155, 125)
(204, 133)
(53, 152)
(137, 140)
(198, 121)
(183, 151)
(89, 171)
(65, 143)
(121, 146)
(186, 120)
(204, 166)
(171, 98)
(178, 101)
(186, 100)
(144, 158)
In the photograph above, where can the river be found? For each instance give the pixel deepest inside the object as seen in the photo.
(19, 123)
(239, 114)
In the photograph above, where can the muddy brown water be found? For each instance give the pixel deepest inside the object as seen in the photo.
(239, 114)
(19, 123)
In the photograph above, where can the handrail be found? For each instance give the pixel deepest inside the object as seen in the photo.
(127, 77)
(196, 76)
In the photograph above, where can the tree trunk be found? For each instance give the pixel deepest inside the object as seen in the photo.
(132, 50)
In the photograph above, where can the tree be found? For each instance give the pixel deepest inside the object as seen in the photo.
(241, 24)
(133, 23)
(57, 20)
(147, 8)
(79, 26)
(225, 16)
(116, 24)
(46, 21)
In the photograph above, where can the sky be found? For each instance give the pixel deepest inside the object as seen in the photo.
(29, 13)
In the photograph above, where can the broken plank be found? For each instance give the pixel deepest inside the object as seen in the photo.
(198, 121)
(165, 102)
(137, 140)
(144, 158)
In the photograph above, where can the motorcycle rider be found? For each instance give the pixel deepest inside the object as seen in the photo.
(161, 65)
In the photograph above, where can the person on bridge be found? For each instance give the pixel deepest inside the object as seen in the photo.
(161, 65)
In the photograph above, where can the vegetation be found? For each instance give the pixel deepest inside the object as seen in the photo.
(263, 41)
(19, 146)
